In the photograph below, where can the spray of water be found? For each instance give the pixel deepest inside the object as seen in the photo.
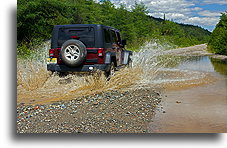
(36, 85)
(150, 59)
(31, 72)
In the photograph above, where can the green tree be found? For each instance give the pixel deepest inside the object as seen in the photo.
(143, 24)
(171, 28)
(218, 41)
(35, 19)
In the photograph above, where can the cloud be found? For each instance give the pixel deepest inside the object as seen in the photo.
(169, 16)
(127, 3)
(221, 2)
(162, 6)
(209, 13)
(169, 6)
(202, 21)
(182, 11)
(196, 9)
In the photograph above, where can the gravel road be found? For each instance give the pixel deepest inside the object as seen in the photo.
(108, 112)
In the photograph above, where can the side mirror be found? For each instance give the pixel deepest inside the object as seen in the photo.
(123, 42)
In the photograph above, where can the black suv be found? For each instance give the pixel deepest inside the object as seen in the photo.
(86, 47)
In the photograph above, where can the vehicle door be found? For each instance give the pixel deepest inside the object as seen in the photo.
(116, 45)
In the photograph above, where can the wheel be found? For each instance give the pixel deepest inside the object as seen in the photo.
(62, 74)
(129, 65)
(111, 71)
(73, 53)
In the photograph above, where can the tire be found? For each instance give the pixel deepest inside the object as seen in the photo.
(73, 53)
(62, 74)
(129, 65)
(111, 71)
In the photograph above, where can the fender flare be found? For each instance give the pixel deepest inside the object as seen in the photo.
(126, 55)
(109, 56)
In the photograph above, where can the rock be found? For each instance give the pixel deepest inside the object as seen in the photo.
(178, 102)
(37, 107)
(62, 106)
(107, 112)
(65, 81)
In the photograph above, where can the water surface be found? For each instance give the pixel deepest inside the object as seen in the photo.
(200, 108)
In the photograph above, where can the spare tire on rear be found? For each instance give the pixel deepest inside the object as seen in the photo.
(73, 52)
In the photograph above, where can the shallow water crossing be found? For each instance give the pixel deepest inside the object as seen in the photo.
(193, 87)
(194, 98)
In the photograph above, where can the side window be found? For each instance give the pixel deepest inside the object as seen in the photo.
(107, 36)
(118, 38)
(114, 37)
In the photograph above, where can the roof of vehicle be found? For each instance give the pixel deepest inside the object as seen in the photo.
(84, 25)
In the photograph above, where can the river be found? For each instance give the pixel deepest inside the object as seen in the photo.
(190, 106)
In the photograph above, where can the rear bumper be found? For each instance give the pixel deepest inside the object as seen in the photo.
(84, 68)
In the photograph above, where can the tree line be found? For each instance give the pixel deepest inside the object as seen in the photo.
(218, 40)
(35, 20)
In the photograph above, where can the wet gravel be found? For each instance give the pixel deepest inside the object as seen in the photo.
(109, 112)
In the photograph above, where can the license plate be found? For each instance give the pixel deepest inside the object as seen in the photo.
(51, 60)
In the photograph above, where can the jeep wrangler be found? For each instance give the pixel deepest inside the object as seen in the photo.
(86, 47)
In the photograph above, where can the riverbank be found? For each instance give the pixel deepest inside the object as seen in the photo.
(220, 57)
(197, 50)
(109, 112)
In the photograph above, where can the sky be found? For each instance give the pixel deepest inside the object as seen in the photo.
(204, 13)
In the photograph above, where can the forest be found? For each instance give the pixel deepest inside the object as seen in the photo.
(218, 42)
(36, 18)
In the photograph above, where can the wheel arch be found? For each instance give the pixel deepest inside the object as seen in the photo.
(126, 55)
(110, 57)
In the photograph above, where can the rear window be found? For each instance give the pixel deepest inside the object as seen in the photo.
(85, 34)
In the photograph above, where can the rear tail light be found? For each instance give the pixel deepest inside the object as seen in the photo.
(100, 52)
(75, 37)
(51, 52)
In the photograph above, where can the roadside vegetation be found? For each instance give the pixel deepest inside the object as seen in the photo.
(218, 41)
(35, 20)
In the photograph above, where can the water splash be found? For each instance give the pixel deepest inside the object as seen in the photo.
(36, 85)
(31, 72)
(150, 59)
